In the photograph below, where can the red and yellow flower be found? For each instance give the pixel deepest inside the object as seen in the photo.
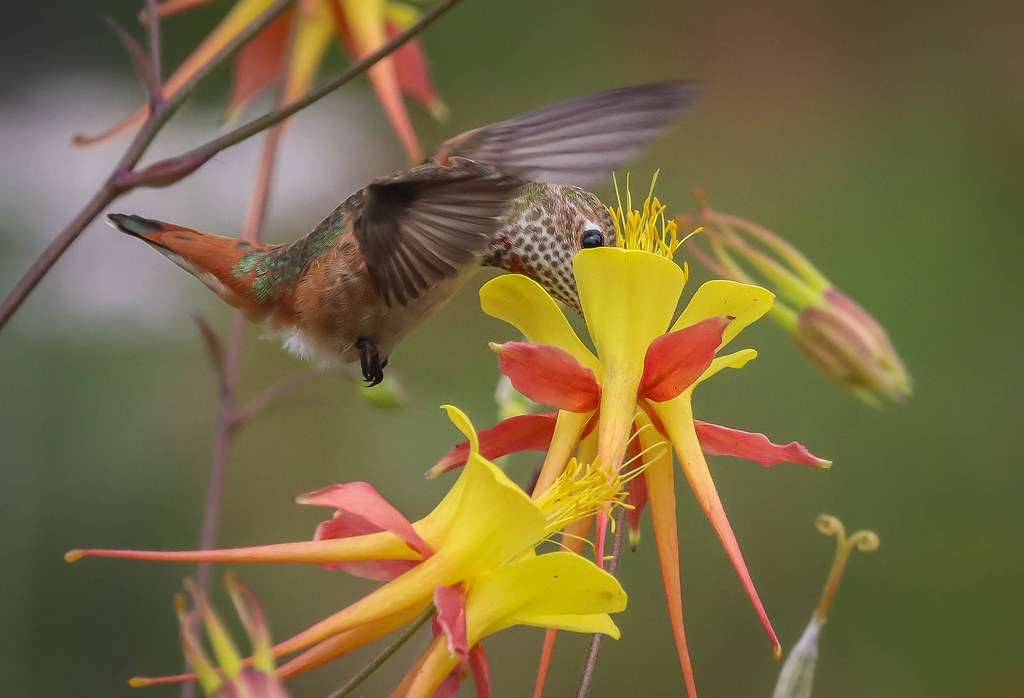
(640, 380)
(290, 49)
(473, 557)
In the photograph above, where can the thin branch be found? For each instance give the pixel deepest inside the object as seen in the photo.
(156, 97)
(379, 660)
(207, 150)
(590, 665)
(222, 444)
(140, 59)
(214, 348)
(119, 181)
(272, 395)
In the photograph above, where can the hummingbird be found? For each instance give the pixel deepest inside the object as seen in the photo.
(506, 195)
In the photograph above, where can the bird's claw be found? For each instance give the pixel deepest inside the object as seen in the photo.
(370, 362)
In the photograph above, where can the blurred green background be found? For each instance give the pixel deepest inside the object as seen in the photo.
(884, 139)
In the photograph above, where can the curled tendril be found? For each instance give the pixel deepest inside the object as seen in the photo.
(865, 541)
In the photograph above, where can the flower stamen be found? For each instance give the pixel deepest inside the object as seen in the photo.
(579, 493)
(646, 230)
(865, 541)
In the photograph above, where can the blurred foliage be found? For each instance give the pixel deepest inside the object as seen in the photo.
(883, 139)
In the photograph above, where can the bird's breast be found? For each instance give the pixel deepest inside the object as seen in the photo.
(336, 304)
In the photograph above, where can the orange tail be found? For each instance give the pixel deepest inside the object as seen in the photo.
(210, 258)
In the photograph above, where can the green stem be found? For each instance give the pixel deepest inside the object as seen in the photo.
(378, 661)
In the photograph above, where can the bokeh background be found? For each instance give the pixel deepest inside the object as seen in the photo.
(883, 138)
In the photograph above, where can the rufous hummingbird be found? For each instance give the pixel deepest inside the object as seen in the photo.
(506, 195)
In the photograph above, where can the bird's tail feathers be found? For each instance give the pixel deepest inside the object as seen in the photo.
(210, 258)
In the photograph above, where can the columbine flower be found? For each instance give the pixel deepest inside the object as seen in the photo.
(473, 557)
(291, 48)
(233, 680)
(839, 337)
(643, 375)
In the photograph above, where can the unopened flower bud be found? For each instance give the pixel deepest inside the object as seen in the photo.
(838, 336)
(233, 679)
(849, 346)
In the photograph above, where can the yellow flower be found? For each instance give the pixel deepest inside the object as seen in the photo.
(477, 545)
(641, 378)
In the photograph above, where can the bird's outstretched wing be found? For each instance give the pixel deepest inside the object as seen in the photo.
(423, 225)
(576, 142)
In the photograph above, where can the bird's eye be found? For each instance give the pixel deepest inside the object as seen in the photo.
(591, 238)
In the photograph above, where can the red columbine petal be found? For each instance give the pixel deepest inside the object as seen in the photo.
(636, 498)
(259, 62)
(675, 361)
(362, 30)
(347, 526)
(550, 375)
(528, 432)
(722, 441)
(360, 499)
(450, 620)
(449, 688)
(414, 73)
(173, 7)
(481, 670)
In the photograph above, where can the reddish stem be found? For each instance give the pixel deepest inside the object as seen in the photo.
(590, 665)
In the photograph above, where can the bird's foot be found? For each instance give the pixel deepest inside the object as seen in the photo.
(370, 362)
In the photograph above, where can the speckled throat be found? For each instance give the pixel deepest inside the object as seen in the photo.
(540, 235)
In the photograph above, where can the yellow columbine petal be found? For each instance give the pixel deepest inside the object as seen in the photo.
(593, 623)
(737, 359)
(462, 423)
(745, 302)
(559, 590)
(472, 521)
(548, 586)
(524, 304)
(568, 430)
(628, 299)
(312, 36)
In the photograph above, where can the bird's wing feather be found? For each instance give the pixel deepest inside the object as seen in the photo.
(579, 141)
(423, 225)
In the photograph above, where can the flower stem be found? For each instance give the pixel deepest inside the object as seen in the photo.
(590, 665)
(207, 150)
(228, 419)
(378, 661)
(120, 181)
(125, 177)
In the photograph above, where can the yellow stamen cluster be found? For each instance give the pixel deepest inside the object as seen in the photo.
(579, 493)
(584, 490)
(646, 230)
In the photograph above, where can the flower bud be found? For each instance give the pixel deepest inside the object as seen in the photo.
(233, 679)
(838, 336)
(849, 346)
